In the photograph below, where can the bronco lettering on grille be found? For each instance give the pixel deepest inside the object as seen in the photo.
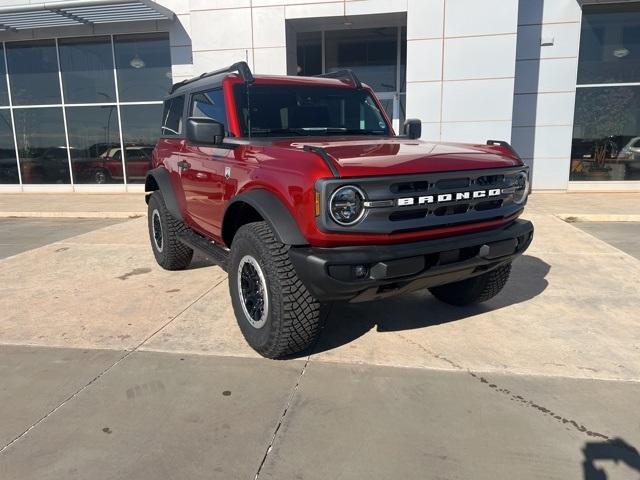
(448, 197)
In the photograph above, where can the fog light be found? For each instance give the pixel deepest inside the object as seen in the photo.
(360, 271)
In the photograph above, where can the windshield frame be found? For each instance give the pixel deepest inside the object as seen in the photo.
(235, 89)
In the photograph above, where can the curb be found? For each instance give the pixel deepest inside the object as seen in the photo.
(72, 214)
(597, 217)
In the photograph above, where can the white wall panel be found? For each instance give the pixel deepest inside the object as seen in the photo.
(485, 17)
(212, 60)
(315, 10)
(543, 141)
(424, 101)
(566, 41)
(476, 132)
(221, 29)
(215, 4)
(479, 57)
(550, 173)
(543, 109)
(545, 11)
(477, 100)
(546, 75)
(425, 19)
(268, 27)
(364, 7)
(272, 61)
(424, 60)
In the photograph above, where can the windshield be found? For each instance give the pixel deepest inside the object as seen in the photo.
(290, 110)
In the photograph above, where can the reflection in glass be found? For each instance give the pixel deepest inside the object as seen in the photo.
(309, 54)
(8, 163)
(372, 53)
(87, 70)
(33, 72)
(144, 66)
(610, 44)
(94, 141)
(140, 128)
(41, 145)
(606, 134)
(4, 95)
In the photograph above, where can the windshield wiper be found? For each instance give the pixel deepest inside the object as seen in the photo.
(271, 131)
(353, 131)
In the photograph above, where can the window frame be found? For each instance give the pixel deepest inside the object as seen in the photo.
(192, 94)
(181, 133)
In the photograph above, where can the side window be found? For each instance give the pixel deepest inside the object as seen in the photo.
(209, 104)
(172, 116)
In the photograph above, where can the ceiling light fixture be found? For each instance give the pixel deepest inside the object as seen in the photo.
(137, 62)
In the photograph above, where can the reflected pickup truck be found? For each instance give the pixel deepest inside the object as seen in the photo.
(300, 190)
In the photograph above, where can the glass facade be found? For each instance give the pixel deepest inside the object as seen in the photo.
(377, 55)
(83, 110)
(606, 131)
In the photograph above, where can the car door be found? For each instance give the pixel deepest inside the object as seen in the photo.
(203, 179)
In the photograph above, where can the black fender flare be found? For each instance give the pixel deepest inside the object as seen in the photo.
(274, 212)
(160, 177)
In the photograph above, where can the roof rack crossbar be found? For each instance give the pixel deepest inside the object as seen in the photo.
(241, 67)
(345, 74)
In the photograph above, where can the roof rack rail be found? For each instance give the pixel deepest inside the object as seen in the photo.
(345, 74)
(241, 67)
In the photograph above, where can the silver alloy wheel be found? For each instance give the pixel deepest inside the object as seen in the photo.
(100, 177)
(252, 288)
(156, 230)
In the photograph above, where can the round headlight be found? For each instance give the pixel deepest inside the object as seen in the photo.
(521, 187)
(346, 205)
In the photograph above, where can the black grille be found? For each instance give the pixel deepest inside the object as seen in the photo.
(408, 188)
(405, 203)
(490, 180)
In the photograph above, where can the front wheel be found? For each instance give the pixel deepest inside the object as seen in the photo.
(276, 313)
(475, 289)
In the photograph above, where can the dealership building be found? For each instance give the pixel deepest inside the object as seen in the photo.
(82, 82)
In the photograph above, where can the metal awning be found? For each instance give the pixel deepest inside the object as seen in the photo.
(80, 12)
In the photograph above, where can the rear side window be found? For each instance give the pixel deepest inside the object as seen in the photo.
(209, 104)
(172, 116)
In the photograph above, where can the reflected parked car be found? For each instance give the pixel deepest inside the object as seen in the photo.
(630, 156)
(107, 167)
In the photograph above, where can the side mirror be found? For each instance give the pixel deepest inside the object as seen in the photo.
(413, 128)
(204, 131)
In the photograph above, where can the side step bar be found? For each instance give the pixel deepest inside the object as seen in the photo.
(213, 252)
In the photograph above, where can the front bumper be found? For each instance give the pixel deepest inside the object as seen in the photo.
(331, 274)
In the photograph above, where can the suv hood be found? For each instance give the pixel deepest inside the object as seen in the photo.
(398, 156)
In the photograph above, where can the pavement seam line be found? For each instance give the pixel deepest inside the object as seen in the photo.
(106, 370)
(291, 395)
(281, 419)
(518, 398)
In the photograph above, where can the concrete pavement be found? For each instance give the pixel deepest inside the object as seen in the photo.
(113, 368)
(622, 235)
(19, 235)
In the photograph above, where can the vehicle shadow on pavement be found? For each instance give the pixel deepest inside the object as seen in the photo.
(611, 453)
(346, 322)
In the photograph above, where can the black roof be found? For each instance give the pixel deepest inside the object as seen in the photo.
(212, 78)
(215, 78)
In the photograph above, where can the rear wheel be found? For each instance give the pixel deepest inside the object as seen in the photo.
(276, 313)
(170, 253)
(101, 176)
(475, 289)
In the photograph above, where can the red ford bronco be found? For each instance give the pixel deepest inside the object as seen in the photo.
(299, 188)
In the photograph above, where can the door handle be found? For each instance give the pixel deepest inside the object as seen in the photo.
(183, 165)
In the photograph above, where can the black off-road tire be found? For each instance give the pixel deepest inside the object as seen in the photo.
(475, 289)
(170, 253)
(292, 318)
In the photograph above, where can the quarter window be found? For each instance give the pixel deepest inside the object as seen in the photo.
(209, 104)
(172, 116)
